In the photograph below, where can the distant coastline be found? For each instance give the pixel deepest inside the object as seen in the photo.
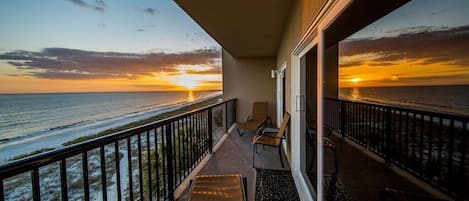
(144, 110)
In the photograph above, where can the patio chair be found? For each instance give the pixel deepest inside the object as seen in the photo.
(218, 188)
(272, 140)
(255, 121)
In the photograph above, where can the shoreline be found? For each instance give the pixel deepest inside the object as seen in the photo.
(161, 113)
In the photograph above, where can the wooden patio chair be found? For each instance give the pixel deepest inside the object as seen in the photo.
(218, 188)
(255, 121)
(272, 140)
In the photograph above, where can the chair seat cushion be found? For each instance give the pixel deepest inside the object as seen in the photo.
(251, 125)
(217, 188)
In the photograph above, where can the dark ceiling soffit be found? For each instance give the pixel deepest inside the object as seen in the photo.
(353, 18)
(221, 44)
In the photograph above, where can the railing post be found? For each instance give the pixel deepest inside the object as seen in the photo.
(387, 138)
(342, 118)
(169, 158)
(210, 133)
(226, 117)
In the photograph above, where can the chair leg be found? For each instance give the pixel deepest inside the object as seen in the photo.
(254, 147)
(280, 154)
(240, 133)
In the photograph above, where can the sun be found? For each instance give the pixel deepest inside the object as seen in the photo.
(187, 81)
(356, 80)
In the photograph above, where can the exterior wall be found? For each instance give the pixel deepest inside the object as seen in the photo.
(301, 15)
(249, 80)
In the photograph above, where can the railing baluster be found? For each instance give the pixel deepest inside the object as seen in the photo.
(191, 139)
(400, 137)
(430, 148)
(186, 149)
(164, 163)
(462, 166)
(86, 184)
(35, 184)
(139, 148)
(414, 133)
(180, 152)
(407, 138)
(118, 174)
(169, 156)
(440, 149)
(2, 196)
(422, 130)
(210, 131)
(63, 179)
(103, 171)
(450, 156)
(150, 193)
(129, 167)
(157, 165)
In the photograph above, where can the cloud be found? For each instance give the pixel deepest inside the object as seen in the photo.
(141, 30)
(151, 11)
(73, 64)
(98, 5)
(428, 45)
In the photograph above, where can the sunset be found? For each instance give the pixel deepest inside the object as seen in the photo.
(234, 100)
(141, 53)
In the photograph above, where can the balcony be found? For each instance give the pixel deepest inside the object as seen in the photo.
(378, 147)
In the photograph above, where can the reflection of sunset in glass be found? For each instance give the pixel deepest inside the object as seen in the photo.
(415, 45)
(355, 80)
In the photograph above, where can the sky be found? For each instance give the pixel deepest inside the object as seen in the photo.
(424, 42)
(103, 45)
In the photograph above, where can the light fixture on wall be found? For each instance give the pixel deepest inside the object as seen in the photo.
(273, 73)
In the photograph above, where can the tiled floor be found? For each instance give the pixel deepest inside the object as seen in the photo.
(235, 156)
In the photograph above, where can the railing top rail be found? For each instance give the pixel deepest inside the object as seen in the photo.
(447, 115)
(31, 162)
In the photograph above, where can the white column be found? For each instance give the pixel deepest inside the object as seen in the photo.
(319, 117)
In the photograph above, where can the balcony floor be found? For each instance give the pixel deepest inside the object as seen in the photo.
(234, 156)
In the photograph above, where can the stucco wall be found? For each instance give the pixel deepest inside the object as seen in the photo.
(301, 16)
(249, 81)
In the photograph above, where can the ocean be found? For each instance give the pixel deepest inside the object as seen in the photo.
(34, 121)
(443, 99)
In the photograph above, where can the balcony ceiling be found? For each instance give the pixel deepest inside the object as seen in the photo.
(245, 28)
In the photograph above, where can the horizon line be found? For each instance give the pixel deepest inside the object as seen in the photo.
(94, 92)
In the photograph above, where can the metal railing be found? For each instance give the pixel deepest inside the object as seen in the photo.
(430, 145)
(143, 163)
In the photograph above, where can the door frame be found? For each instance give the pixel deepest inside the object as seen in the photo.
(314, 36)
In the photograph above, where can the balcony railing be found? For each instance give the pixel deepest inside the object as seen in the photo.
(431, 146)
(144, 163)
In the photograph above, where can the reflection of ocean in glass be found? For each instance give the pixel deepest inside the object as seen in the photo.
(448, 99)
(355, 93)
